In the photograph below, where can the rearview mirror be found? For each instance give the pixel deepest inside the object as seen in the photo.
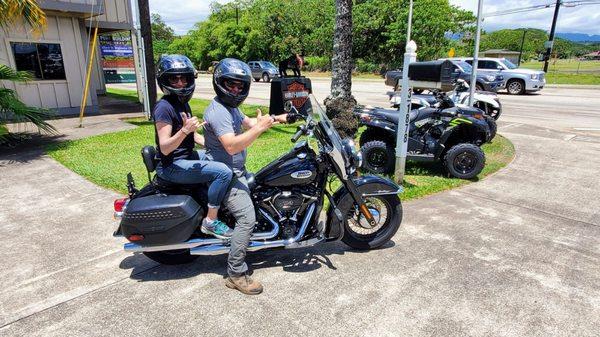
(287, 106)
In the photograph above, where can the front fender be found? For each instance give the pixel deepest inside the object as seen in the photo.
(367, 186)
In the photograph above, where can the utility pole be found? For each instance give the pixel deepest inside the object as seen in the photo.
(146, 33)
(521, 50)
(550, 42)
(476, 54)
(410, 56)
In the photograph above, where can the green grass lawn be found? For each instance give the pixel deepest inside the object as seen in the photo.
(570, 71)
(106, 159)
(568, 65)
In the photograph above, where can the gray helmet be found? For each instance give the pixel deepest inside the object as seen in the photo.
(232, 69)
(176, 65)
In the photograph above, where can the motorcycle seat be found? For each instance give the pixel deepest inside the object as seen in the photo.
(150, 158)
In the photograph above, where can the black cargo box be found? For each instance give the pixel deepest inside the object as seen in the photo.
(161, 219)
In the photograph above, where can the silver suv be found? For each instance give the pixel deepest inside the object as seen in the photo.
(518, 80)
(264, 70)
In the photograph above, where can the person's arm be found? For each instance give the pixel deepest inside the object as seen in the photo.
(168, 143)
(249, 122)
(199, 139)
(235, 144)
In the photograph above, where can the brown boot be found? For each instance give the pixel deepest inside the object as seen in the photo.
(245, 284)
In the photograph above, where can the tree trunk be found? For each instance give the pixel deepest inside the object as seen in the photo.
(146, 32)
(340, 103)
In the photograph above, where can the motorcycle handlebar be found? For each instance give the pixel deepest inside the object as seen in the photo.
(298, 134)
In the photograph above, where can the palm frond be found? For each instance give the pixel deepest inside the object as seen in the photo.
(28, 11)
(9, 74)
(12, 109)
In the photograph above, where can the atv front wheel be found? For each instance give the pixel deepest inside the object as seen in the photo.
(378, 157)
(464, 161)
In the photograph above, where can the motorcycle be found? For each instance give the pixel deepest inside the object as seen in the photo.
(446, 133)
(162, 220)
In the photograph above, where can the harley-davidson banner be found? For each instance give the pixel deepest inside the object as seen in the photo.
(294, 89)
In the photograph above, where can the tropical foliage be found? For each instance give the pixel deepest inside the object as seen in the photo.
(274, 29)
(11, 108)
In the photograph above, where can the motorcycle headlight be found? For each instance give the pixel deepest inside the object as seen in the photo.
(353, 156)
(535, 76)
(490, 78)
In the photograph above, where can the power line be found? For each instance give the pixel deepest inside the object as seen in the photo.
(572, 3)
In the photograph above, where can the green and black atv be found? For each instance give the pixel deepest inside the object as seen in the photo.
(446, 133)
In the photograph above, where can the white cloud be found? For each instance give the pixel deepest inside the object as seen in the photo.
(181, 15)
(580, 19)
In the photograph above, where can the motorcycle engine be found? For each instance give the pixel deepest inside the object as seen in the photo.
(286, 207)
(287, 201)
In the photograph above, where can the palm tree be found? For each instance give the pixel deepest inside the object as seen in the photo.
(11, 108)
(340, 103)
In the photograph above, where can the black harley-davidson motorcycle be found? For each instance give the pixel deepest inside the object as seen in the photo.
(162, 219)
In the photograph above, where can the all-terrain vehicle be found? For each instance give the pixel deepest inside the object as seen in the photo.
(446, 133)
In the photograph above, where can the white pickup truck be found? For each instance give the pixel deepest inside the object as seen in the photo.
(518, 80)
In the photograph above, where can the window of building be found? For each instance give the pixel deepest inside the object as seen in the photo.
(43, 60)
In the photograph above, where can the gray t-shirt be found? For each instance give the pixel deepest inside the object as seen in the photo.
(222, 120)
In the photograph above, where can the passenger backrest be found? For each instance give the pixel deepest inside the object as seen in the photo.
(149, 156)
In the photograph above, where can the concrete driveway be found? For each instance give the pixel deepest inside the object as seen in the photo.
(517, 254)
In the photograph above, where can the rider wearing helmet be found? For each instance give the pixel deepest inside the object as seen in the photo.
(226, 142)
(176, 137)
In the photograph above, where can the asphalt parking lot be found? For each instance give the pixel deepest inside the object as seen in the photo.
(516, 254)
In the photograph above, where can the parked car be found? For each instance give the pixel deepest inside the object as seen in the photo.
(264, 70)
(485, 82)
(518, 81)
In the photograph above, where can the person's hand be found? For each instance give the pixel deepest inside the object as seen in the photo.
(189, 124)
(263, 122)
(280, 118)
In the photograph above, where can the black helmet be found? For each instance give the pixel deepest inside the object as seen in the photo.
(231, 69)
(176, 65)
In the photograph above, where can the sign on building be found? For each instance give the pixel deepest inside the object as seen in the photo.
(117, 57)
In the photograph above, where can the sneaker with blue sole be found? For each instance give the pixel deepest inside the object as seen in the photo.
(217, 229)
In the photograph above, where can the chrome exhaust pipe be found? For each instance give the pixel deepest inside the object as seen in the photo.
(217, 249)
(194, 243)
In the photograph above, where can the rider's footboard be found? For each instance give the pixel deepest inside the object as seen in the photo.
(160, 219)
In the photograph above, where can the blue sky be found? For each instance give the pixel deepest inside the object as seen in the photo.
(183, 14)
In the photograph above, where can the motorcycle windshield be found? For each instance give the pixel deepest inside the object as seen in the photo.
(317, 113)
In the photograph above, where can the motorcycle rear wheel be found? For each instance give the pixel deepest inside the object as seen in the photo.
(387, 210)
(172, 257)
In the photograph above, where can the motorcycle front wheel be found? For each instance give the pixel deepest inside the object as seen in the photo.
(359, 234)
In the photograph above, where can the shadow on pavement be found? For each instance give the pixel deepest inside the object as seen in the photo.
(27, 147)
(291, 260)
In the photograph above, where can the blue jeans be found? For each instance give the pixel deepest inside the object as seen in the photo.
(198, 170)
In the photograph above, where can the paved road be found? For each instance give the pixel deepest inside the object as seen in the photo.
(517, 254)
(564, 108)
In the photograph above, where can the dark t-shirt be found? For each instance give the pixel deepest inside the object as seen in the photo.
(168, 110)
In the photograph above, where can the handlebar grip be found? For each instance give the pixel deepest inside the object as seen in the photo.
(297, 135)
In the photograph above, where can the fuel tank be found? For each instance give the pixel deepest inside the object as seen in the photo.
(297, 167)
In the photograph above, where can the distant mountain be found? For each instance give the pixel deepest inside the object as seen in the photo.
(576, 37)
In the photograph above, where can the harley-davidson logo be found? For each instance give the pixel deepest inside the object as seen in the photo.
(297, 93)
(304, 174)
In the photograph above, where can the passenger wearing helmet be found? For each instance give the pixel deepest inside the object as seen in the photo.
(176, 137)
(226, 142)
